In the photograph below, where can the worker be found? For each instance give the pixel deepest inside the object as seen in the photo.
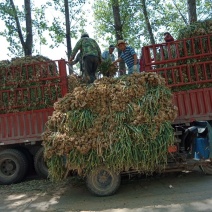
(91, 55)
(108, 54)
(168, 37)
(128, 55)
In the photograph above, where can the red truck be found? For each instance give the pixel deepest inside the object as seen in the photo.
(186, 62)
(186, 66)
(20, 132)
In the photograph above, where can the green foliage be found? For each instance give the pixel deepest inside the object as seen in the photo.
(163, 16)
(55, 25)
(57, 30)
(196, 29)
(7, 14)
(106, 68)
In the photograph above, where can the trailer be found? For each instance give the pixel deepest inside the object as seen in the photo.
(20, 131)
(186, 62)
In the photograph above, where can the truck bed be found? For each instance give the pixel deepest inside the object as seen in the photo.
(23, 127)
(193, 105)
(27, 126)
(186, 66)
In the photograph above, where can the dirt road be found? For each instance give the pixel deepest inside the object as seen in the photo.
(171, 192)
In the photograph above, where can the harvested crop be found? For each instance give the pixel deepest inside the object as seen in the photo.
(28, 83)
(106, 68)
(121, 122)
(196, 29)
(193, 69)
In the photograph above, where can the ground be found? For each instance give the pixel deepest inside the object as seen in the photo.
(167, 192)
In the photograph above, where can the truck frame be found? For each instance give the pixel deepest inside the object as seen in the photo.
(20, 131)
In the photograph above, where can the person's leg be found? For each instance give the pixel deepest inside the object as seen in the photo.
(91, 64)
(95, 66)
(88, 66)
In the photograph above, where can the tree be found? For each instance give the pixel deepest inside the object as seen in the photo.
(68, 36)
(20, 37)
(146, 18)
(118, 31)
(148, 26)
(65, 27)
(192, 14)
(179, 11)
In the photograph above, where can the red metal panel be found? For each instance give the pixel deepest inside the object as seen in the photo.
(44, 78)
(193, 105)
(28, 126)
(184, 49)
(187, 74)
(18, 127)
(21, 126)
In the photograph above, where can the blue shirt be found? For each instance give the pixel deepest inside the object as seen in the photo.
(127, 56)
(106, 56)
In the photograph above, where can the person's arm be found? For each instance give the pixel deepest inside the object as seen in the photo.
(118, 60)
(75, 50)
(104, 55)
(135, 59)
(135, 66)
(76, 60)
(98, 50)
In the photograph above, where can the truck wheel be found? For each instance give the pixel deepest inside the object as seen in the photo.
(102, 181)
(29, 158)
(40, 165)
(13, 166)
(207, 169)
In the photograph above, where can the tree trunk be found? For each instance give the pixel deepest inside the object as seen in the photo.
(118, 31)
(27, 46)
(148, 25)
(18, 24)
(192, 14)
(29, 36)
(183, 17)
(68, 36)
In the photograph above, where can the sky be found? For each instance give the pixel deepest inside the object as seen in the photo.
(54, 54)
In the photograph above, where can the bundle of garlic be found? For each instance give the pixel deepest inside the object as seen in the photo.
(122, 122)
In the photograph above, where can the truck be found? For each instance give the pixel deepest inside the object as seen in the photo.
(186, 66)
(180, 62)
(20, 131)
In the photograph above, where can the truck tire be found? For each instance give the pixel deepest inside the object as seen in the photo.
(29, 157)
(102, 181)
(207, 169)
(40, 165)
(13, 166)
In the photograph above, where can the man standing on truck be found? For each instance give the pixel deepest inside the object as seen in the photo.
(91, 55)
(108, 54)
(128, 55)
(168, 37)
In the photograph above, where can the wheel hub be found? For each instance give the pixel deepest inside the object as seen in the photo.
(104, 178)
(8, 167)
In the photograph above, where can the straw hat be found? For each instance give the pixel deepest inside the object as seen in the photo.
(120, 42)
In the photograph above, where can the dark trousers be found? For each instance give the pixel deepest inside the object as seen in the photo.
(91, 63)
